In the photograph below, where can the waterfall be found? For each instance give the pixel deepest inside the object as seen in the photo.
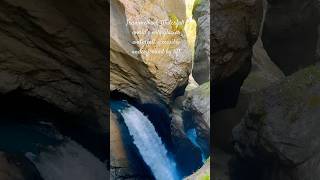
(149, 144)
(192, 135)
(68, 161)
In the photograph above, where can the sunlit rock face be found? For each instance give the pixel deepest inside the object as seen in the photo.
(154, 77)
(55, 51)
(201, 65)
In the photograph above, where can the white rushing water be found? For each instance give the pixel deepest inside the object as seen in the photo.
(192, 135)
(149, 144)
(68, 161)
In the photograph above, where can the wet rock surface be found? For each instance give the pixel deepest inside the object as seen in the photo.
(192, 112)
(125, 162)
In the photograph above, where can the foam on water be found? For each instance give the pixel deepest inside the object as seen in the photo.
(192, 135)
(149, 144)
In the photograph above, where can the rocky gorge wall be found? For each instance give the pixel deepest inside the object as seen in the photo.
(236, 26)
(53, 84)
(56, 54)
(269, 134)
(156, 84)
(148, 78)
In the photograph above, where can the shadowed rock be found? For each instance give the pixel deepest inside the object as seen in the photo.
(236, 26)
(290, 33)
(280, 128)
(54, 50)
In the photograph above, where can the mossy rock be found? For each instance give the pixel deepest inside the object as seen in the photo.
(195, 5)
(176, 23)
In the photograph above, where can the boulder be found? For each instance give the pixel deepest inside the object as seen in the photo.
(192, 111)
(188, 156)
(235, 31)
(263, 72)
(55, 50)
(148, 77)
(201, 62)
(196, 114)
(280, 128)
(290, 33)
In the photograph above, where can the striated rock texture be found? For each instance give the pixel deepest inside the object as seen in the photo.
(152, 78)
(290, 33)
(236, 26)
(201, 62)
(281, 128)
(54, 50)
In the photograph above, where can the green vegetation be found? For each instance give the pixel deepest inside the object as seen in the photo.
(205, 177)
(176, 25)
(195, 5)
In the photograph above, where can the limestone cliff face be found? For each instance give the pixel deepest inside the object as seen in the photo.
(155, 77)
(201, 66)
(54, 50)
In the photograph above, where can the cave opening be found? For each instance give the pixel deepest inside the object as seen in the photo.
(160, 117)
(290, 34)
(30, 118)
